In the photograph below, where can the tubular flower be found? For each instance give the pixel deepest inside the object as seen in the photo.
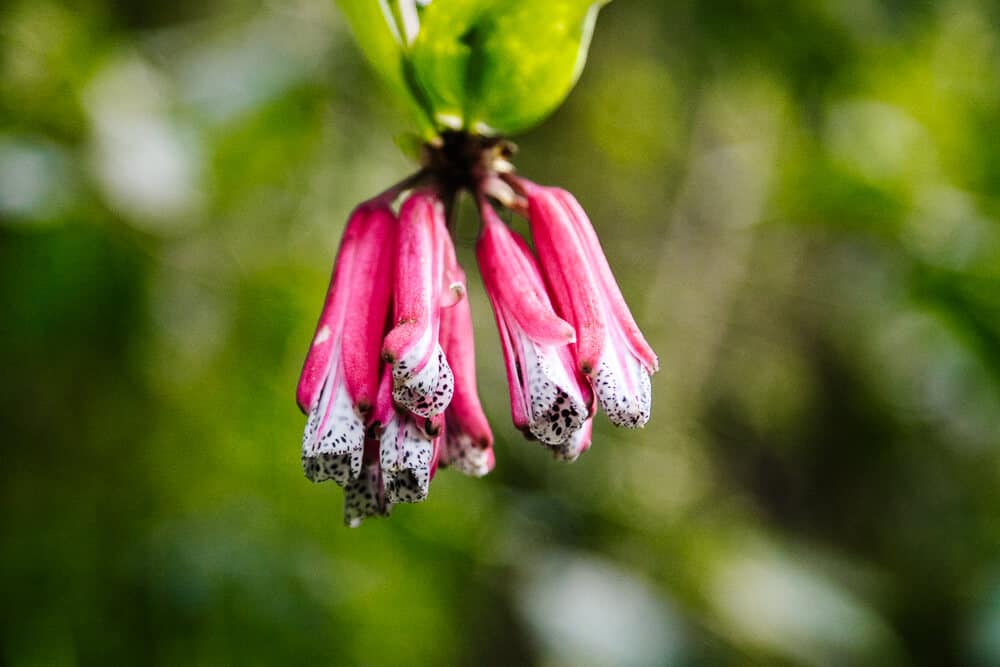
(422, 380)
(389, 383)
(609, 348)
(339, 380)
(547, 399)
(468, 443)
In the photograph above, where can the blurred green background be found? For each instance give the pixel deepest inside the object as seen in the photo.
(801, 201)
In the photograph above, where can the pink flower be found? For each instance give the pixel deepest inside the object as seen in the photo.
(339, 380)
(468, 444)
(548, 400)
(422, 380)
(609, 347)
(389, 384)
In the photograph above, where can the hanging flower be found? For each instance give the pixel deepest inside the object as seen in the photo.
(468, 445)
(422, 380)
(610, 348)
(389, 383)
(339, 380)
(547, 399)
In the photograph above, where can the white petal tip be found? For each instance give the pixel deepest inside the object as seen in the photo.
(428, 392)
(465, 456)
(341, 468)
(334, 439)
(565, 453)
(405, 456)
(364, 497)
(407, 486)
(624, 408)
(557, 417)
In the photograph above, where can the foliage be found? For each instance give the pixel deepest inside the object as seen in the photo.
(496, 67)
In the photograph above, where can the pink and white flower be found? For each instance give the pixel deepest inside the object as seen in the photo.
(422, 380)
(609, 348)
(389, 384)
(468, 444)
(548, 400)
(339, 380)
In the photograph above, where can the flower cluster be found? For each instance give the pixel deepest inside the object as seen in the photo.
(389, 383)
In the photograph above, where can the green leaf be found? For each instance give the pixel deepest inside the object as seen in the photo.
(530, 59)
(440, 57)
(500, 66)
(375, 29)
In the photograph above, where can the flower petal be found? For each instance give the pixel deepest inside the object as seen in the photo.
(365, 496)
(427, 392)
(406, 456)
(623, 388)
(468, 445)
(564, 263)
(362, 283)
(615, 305)
(547, 398)
(570, 450)
(333, 443)
(504, 260)
(518, 400)
(423, 382)
(369, 284)
(327, 336)
(610, 348)
(556, 406)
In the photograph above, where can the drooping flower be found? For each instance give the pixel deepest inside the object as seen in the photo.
(547, 398)
(339, 380)
(422, 380)
(609, 347)
(468, 444)
(389, 383)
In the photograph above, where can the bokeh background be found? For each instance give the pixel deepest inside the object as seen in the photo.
(801, 201)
